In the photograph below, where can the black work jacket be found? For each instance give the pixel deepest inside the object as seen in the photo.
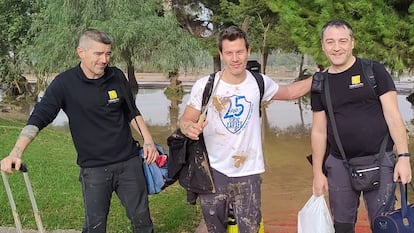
(188, 162)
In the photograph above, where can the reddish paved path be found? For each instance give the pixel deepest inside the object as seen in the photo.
(287, 184)
(288, 224)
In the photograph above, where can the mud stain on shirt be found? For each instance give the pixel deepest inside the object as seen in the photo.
(220, 103)
(239, 160)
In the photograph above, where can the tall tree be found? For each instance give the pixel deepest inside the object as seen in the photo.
(205, 18)
(15, 21)
(143, 37)
(264, 28)
(381, 27)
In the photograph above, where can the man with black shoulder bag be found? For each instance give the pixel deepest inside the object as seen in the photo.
(355, 111)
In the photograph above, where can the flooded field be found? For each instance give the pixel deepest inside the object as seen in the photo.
(287, 182)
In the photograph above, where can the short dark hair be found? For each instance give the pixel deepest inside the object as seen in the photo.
(95, 35)
(232, 33)
(337, 23)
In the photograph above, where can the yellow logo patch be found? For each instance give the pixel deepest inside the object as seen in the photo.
(356, 82)
(112, 94)
(356, 79)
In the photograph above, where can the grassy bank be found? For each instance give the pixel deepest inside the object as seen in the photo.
(51, 160)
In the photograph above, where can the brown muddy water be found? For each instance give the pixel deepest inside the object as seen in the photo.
(287, 182)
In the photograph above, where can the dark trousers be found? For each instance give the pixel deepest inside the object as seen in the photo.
(242, 194)
(127, 180)
(344, 201)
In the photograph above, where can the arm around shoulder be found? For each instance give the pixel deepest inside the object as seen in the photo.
(293, 90)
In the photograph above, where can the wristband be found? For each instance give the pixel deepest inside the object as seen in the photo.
(404, 155)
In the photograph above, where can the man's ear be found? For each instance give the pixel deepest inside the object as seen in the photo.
(80, 51)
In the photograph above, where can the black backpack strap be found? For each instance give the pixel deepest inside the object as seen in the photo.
(260, 83)
(367, 68)
(208, 89)
(317, 82)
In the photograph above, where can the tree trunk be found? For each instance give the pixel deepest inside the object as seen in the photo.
(173, 77)
(217, 63)
(264, 58)
(301, 74)
(174, 113)
(132, 79)
(320, 67)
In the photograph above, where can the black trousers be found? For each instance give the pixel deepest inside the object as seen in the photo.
(127, 180)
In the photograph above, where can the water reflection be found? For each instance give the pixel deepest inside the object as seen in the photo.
(156, 109)
(281, 115)
(154, 105)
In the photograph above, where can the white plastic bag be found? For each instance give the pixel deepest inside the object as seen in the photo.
(315, 217)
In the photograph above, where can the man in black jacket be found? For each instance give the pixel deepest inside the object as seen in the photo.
(94, 97)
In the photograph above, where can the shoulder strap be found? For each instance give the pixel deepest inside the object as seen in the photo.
(367, 68)
(260, 83)
(332, 117)
(208, 89)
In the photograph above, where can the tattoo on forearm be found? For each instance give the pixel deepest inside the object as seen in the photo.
(29, 131)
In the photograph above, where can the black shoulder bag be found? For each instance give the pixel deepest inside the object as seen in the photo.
(364, 171)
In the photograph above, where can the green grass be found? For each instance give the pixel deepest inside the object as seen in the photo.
(51, 160)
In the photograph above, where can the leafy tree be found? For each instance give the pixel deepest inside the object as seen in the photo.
(143, 36)
(261, 24)
(381, 27)
(15, 20)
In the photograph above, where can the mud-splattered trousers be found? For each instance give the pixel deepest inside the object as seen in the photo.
(344, 201)
(242, 194)
(127, 180)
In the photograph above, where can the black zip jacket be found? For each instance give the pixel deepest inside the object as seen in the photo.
(188, 162)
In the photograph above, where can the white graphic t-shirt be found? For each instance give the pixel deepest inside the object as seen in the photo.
(233, 133)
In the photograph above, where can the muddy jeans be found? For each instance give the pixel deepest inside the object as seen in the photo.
(127, 180)
(242, 194)
(344, 201)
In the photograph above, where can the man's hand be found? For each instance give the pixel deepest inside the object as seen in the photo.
(402, 171)
(320, 184)
(6, 163)
(194, 130)
(150, 152)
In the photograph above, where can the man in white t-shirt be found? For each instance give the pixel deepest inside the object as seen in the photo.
(232, 133)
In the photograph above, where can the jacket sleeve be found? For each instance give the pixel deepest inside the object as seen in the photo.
(47, 109)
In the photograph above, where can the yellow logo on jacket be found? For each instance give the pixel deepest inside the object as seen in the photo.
(113, 97)
(356, 82)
